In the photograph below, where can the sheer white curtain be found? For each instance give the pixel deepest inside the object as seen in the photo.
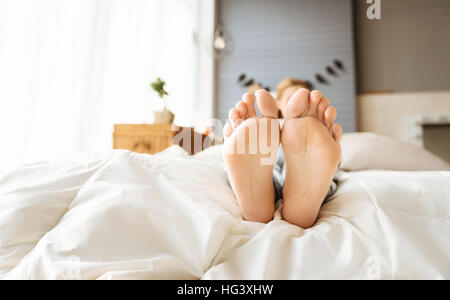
(70, 69)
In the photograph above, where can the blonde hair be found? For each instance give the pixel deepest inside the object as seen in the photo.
(288, 82)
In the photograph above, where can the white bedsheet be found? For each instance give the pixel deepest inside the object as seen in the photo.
(123, 215)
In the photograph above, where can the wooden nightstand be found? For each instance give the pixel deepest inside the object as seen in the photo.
(154, 138)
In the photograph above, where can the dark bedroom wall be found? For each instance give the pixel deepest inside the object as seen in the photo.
(407, 50)
(274, 39)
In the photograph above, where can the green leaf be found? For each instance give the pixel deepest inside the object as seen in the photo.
(158, 86)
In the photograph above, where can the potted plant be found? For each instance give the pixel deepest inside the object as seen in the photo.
(165, 115)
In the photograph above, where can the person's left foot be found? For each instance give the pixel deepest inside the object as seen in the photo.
(311, 144)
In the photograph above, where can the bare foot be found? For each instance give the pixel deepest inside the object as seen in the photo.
(311, 144)
(250, 149)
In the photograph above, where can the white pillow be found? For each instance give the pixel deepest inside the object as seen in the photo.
(363, 151)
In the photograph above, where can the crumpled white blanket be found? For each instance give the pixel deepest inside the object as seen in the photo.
(123, 215)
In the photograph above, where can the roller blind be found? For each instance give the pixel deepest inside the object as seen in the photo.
(274, 39)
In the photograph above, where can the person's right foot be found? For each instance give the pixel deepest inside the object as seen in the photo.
(249, 158)
(311, 144)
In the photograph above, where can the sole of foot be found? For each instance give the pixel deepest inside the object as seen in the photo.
(311, 143)
(250, 148)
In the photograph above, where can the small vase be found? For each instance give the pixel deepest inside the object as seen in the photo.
(163, 116)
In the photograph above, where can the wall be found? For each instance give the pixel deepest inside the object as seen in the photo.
(204, 61)
(274, 39)
(400, 115)
(407, 50)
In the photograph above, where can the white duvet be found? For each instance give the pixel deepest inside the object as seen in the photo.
(169, 216)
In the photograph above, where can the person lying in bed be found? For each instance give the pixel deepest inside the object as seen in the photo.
(302, 174)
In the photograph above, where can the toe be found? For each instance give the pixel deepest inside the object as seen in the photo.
(314, 100)
(242, 109)
(323, 105)
(235, 117)
(297, 104)
(249, 99)
(336, 130)
(330, 116)
(266, 104)
(227, 130)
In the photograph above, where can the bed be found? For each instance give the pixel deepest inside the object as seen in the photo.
(123, 215)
